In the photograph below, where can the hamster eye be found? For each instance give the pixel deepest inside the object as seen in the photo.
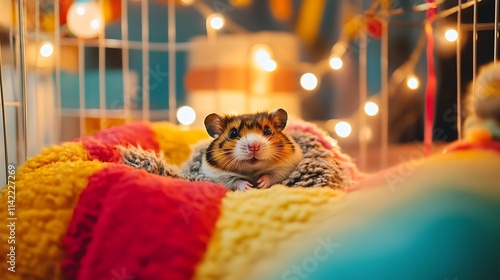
(233, 133)
(267, 131)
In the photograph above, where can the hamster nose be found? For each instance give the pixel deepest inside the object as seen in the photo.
(254, 147)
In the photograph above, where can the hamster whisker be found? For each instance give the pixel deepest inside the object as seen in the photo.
(230, 164)
(222, 153)
(280, 156)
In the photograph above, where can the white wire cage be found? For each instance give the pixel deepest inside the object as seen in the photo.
(33, 75)
(34, 115)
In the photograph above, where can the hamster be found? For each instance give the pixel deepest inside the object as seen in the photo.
(249, 150)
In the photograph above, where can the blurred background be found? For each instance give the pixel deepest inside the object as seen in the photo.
(356, 68)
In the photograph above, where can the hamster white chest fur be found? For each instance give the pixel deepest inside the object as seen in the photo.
(249, 150)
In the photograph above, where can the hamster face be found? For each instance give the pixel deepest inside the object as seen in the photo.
(248, 142)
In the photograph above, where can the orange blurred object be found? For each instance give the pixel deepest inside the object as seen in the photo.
(281, 9)
(111, 10)
(240, 3)
(480, 136)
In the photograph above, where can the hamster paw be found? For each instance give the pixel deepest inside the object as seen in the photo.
(264, 181)
(243, 185)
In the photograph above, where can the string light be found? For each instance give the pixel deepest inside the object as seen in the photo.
(47, 49)
(262, 59)
(412, 82)
(216, 21)
(308, 81)
(343, 129)
(85, 19)
(186, 115)
(371, 108)
(336, 63)
(270, 65)
(451, 35)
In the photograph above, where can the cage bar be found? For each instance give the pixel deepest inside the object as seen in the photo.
(495, 35)
(102, 75)
(57, 69)
(81, 82)
(363, 145)
(384, 90)
(459, 68)
(474, 47)
(125, 59)
(23, 72)
(145, 60)
(4, 120)
(171, 61)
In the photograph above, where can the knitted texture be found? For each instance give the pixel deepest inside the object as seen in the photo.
(344, 160)
(103, 146)
(66, 152)
(318, 167)
(129, 222)
(45, 199)
(191, 169)
(83, 214)
(254, 223)
(389, 229)
(148, 160)
(175, 143)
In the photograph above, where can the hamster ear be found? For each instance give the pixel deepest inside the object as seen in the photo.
(279, 118)
(214, 125)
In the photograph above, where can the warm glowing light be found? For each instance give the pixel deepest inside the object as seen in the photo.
(270, 65)
(336, 63)
(216, 21)
(46, 49)
(412, 82)
(367, 133)
(343, 129)
(371, 108)
(95, 24)
(85, 19)
(308, 81)
(262, 58)
(451, 35)
(80, 11)
(261, 54)
(186, 115)
(187, 2)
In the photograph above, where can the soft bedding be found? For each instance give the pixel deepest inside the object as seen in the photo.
(82, 213)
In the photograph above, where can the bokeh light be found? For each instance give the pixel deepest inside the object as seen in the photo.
(262, 58)
(216, 21)
(308, 81)
(451, 35)
(336, 63)
(186, 115)
(371, 108)
(343, 129)
(47, 49)
(85, 19)
(412, 82)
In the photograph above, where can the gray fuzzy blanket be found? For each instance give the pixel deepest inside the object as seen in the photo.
(318, 168)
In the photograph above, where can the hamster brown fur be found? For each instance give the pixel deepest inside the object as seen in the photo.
(249, 150)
